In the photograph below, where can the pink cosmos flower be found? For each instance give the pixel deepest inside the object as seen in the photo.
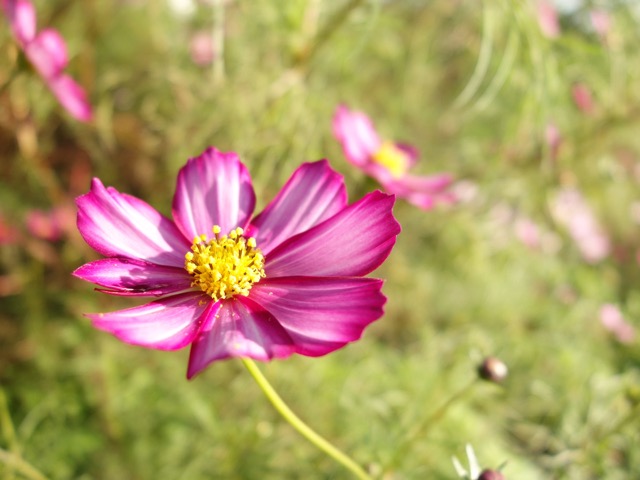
(570, 209)
(9, 235)
(553, 139)
(50, 225)
(582, 97)
(548, 19)
(47, 52)
(612, 319)
(201, 48)
(388, 162)
(289, 280)
(601, 22)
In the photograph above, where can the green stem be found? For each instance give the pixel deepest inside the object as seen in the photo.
(18, 463)
(299, 425)
(330, 27)
(421, 428)
(6, 425)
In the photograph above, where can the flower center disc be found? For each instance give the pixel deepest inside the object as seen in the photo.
(225, 265)
(392, 158)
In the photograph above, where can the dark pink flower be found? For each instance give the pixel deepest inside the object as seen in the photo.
(388, 162)
(9, 235)
(289, 280)
(582, 97)
(47, 53)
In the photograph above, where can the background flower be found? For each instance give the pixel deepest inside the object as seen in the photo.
(571, 210)
(47, 52)
(388, 162)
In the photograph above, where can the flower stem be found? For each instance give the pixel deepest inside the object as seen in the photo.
(16, 462)
(299, 425)
(421, 428)
(330, 27)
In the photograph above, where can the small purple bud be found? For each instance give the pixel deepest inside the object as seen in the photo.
(491, 475)
(494, 370)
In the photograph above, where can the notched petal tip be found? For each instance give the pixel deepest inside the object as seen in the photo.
(214, 188)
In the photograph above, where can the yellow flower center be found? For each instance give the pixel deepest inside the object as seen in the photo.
(392, 158)
(226, 265)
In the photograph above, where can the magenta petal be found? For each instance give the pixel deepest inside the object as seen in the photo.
(313, 194)
(239, 328)
(424, 192)
(410, 151)
(72, 97)
(426, 184)
(124, 276)
(48, 53)
(351, 243)
(22, 17)
(357, 135)
(213, 189)
(169, 323)
(321, 314)
(115, 224)
(428, 201)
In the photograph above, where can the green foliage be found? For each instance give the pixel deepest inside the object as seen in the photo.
(473, 85)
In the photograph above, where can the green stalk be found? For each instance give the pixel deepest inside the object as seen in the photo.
(299, 425)
(20, 465)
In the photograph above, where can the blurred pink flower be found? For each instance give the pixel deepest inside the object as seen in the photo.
(43, 225)
(201, 48)
(302, 291)
(601, 22)
(582, 97)
(9, 235)
(527, 232)
(47, 52)
(388, 162)
(612, 319)
(548, 19)
(50, 225)
(571, 210)
(553, 139)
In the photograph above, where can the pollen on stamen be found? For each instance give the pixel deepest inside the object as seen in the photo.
(225, 265)
(392, 158)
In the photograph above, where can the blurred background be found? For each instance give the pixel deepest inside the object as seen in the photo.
(533, 107)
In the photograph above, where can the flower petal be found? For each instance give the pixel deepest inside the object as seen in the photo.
(72, 97)
(313, 194)
(239, 328)
(427, 184)
(357, 135)
(48, 53)
(125, 276)
(410, 151)
(351, 243)
(22, 17)
(423, 191)
(115, 224)
(168, 323)
(321, 314)
(213, 189)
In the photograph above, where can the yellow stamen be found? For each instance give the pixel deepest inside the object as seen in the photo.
(226, 265)
(392, 158)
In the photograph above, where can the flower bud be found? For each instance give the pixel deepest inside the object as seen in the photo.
(491, 475)
(493, 369)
